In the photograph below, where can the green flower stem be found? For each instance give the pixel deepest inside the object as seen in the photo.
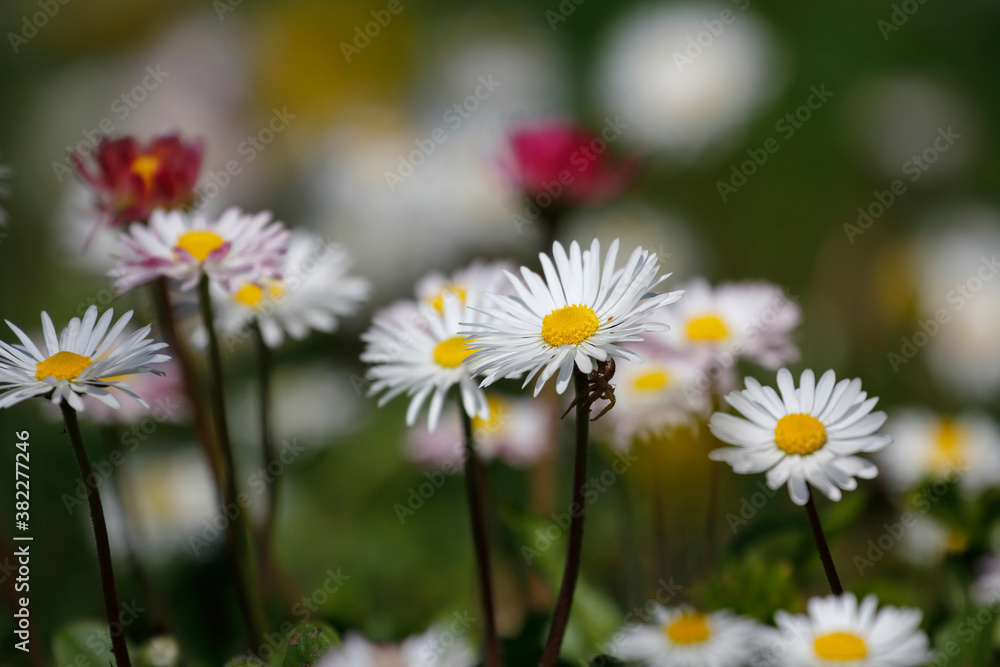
(824, 550)
(560, 618)
(474, 484)
(237, 533)
(118, 647)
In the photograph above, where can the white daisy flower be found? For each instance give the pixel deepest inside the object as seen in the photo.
(86, 359)
(435, 648)
(734, 320)
(418, 350)
(235, 248)
(927, 541)
(965, 448)
(809, 435)
(311, 291)
(578, 314)
(663, 392)
(839, 631)
(683, 637)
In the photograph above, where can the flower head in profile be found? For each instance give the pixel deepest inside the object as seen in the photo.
(88, 358)
(808, 435)
(418, 349)
(838, 630)
(568, 161)
(580, 313)
(435, 648)
(721, 324)
(131, 180)
(684, 637)
(964, 448)
(235, 248)
(311, 292)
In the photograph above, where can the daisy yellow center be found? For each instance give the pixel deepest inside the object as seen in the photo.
(707, 328)
(840, 646)
(145, 167)
(62, 366)
(498, 416)
(200, 244)
(452, 352)
(652, 381)
(446, 294)
(691, 628)
(799, 434)
(570, 325)
(251, 294)
(949, 446)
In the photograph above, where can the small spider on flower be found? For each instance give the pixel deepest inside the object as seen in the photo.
(598, 386)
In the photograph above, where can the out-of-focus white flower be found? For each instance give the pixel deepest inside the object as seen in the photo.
(518, 432)
(663, 391)
(312, 291)
(986, 587)
(434, 648)
(958, 276)
(683, 637)
(168, 497)
(912, 128)
(964, 449)
(684, 98)
(719, 325)
(926, 541)
(840, 630)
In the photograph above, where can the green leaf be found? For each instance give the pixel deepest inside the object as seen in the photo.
(87, 639)
(307, 643)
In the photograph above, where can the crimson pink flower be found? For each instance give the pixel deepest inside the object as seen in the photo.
(567, 162)
(131, 180)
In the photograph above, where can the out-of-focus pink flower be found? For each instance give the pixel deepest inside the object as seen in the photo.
(130, 180)
(567, 162)
(517, 432)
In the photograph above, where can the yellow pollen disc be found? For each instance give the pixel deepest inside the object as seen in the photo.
(449, 292)
(452, 352)
(251, 294)
(498, 417)
(707, 328)
(146, 166)
(688, 629)
(799, 434)
(200, 244)
(840, 646)
(62, 366)
(949, 447)
(570, 325)
(652, 381)
(956, 542)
